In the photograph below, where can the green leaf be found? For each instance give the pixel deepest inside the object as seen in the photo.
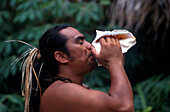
(13, 3)
(72, 11)
(1, 20)
(27, 5)
(86, 19)
(31, 15)
(8, 48)
(3, 98)
(4, 108)
(94, 17)
(30, 36)
(105, 2)
(22, 49)
(6, 14)
(13, 99)
(39, 15)
(141, 94)
(20, 7)
(23, 17)
(148, 109)
(79, 17)
(22, 35)
(16, 19)
(14, 71)
(7, 70)
(152, 93)
(2, 46)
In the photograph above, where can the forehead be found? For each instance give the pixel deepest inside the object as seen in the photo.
(71, 33)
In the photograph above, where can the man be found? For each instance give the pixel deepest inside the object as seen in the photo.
(73, 64)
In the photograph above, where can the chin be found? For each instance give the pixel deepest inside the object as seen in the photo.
(93, 65)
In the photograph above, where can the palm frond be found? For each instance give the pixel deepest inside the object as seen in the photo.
(20, 42)
(148, 18)
(27, 71)
(152, 93)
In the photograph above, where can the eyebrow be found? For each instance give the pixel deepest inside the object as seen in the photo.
(80, 38)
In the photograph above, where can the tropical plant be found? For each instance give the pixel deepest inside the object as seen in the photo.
(27, 20)
(150, 22)
(11, 102)
(152, 95)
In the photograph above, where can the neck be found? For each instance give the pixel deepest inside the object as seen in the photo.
(77, 79)
(71, 72)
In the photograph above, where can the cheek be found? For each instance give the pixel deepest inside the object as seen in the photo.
(78, 54)
(80, 50)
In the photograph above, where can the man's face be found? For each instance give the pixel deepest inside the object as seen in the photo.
(81, 56)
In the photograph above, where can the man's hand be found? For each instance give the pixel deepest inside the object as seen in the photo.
(110, 51)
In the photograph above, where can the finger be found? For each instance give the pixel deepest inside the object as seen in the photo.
(102, 41)
(114, 41)
(94, 51)
(117, 42)
(108, 40)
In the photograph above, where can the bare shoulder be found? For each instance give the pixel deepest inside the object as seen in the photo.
(72, 97)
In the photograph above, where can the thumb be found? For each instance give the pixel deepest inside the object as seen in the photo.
(94, 51)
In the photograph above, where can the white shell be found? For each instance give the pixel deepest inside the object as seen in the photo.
(125, 44)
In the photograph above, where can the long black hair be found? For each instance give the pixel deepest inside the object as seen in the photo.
(52, 40)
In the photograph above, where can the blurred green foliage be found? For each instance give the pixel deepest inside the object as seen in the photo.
(27, 20)
(151, 94)
(12, 102)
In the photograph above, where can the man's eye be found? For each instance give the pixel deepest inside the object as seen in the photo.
(81, 43)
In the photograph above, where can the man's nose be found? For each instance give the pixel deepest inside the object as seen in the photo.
(88, 45)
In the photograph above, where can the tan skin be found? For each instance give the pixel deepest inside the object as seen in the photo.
(73, 97)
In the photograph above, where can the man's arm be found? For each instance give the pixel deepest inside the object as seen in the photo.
(120, 88)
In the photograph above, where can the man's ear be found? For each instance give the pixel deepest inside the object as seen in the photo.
(61, 57)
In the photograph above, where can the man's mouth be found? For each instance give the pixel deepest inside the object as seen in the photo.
(90, 54)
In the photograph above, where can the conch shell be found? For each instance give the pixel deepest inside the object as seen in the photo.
(126, 39)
